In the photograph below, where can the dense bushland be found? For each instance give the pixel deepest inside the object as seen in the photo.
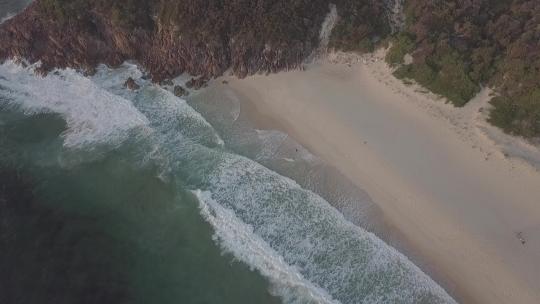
(460, 45)
(362, 24)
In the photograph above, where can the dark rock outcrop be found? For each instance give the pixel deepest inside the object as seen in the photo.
(167, 82)
(168, 38)
(197, 83)
(131, 84)
(180, 91)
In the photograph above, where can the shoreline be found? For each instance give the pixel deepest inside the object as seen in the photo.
(430, 167)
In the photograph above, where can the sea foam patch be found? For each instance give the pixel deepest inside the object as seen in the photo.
(171, 114)
(6, 17)
(238, 238)
(165, 111)
(93, 115)
(349, 263)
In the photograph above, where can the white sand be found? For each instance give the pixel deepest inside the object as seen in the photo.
(440, 180)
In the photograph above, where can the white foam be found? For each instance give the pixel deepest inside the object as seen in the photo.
(165, 111)
(313, 238)
(6, 17)
(238, 238)
(235, 104)
(93, 115)
(290, 234)
(278, 145)
(114, 79)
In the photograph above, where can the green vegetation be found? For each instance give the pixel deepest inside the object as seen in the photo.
(361, 26)
(125, 13)
(457, 46)
(517, 115)
(445, 75)
(254, 22)
(402, 44)
(65, 10)
(131, 13)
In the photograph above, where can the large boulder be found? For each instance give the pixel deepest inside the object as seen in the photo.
(131, 84)
(197, 83)
(180, 91)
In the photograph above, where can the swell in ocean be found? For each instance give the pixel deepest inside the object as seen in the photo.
(306, 249)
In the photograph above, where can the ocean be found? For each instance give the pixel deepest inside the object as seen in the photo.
(8, 8)
(140, 196)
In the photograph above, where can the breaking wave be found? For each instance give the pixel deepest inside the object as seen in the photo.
(349, 263)
(93, 116)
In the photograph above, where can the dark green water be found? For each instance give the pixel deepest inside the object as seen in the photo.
(103, 231)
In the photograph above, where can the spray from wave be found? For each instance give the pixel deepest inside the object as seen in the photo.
(238, 238)
(6, 17)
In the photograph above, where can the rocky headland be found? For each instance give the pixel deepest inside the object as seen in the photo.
(168, 38)
(454, 48)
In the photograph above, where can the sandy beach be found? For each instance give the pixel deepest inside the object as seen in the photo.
(449, 183)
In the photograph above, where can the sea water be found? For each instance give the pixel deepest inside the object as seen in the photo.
(143, 197)
(8, 8)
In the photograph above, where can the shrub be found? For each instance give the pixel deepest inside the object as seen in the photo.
(402, 44)
(519, 115)
(361, 24)
(446, 76)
